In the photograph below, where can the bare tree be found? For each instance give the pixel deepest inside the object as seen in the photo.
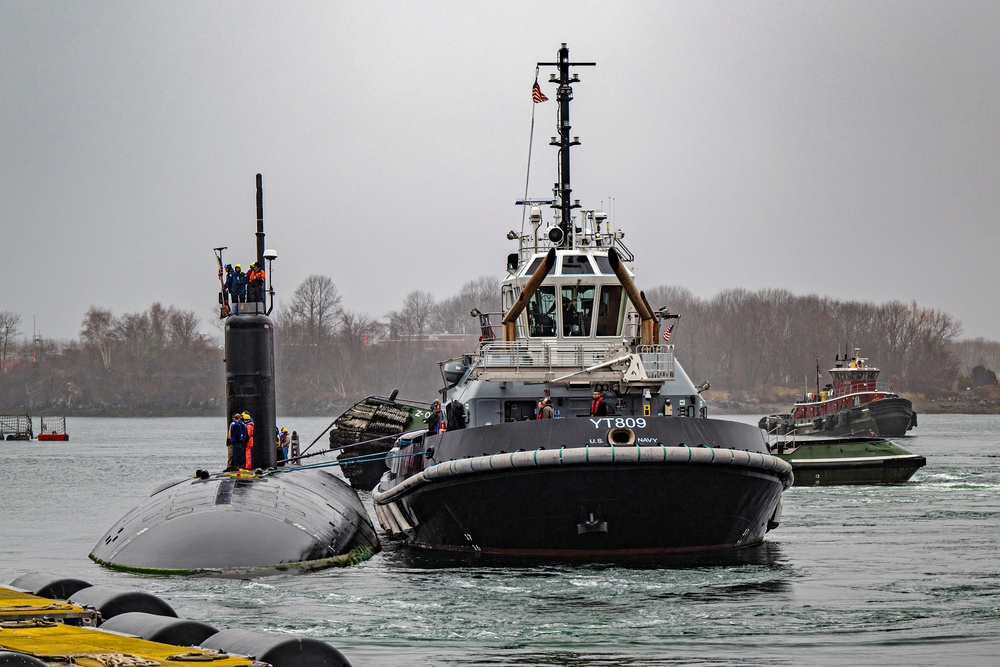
(315, 307)
(10, 328)
(976, 352)
(414, 317)
(353, 354)
(931, 366)
(135, 333)
(98, 331)
(182, 327)
(452, 315)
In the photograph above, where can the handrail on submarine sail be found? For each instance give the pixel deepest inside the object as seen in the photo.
(510, 319)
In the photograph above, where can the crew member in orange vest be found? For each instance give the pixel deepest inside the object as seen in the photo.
(248, 422)
(256, 276)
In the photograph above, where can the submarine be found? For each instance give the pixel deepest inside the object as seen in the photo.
(253, 521)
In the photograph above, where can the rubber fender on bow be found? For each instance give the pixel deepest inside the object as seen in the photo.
(278, 650)
(113, 601)
(163, 629)
(48, 585)
(12, 659)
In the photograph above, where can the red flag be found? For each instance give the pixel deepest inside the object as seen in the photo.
(537, 95)
(666, 333)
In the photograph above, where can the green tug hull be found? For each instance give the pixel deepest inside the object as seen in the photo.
(835, 461)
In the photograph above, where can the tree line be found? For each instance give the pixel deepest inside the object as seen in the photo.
(759, 345)
(753, 346)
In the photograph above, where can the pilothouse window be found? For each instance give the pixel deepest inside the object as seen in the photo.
(577, 309)
(542, 312)
(610, 311)
(535, 263)
(604, 265)
(576, 265)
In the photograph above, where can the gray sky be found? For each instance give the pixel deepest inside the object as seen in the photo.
(847, 149)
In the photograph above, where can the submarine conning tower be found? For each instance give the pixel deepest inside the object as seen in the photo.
(250, 360)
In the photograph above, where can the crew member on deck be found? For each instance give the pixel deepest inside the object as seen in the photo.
(544, 409)
(227, 285)
(236, 442)
(435, 421)
(248, 422)
(239, 289)
(256, 278)
(598, 408)
(284, 441)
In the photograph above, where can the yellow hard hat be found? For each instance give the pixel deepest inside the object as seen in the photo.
(246, 415)
(284, 430)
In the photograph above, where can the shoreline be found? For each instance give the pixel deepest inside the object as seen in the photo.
(716, 408)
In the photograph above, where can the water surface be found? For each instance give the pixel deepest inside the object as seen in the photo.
(906, 574)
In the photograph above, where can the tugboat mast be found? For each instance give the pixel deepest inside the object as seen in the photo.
(562, 190)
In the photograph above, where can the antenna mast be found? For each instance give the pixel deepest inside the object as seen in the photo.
(564, 94)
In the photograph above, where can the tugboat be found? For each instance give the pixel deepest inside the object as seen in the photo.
(851, 460)
(630, 466)
(244, 522)
(365, 432)
(853, 404)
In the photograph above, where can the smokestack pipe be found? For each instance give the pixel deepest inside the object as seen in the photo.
(649, 327)
(510, 319)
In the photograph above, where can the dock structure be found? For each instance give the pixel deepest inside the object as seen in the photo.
(101, 626)
(57, 632)
(16, 427)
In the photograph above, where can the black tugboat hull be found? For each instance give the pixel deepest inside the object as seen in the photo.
(885, 418)
(229, 525)
(615, 512)
(662, 495)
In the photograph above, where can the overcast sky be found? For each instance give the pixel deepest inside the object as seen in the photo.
(846, 149)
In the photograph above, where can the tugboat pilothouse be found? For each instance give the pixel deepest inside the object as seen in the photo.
(628, 466)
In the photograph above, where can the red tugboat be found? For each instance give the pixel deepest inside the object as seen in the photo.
(854, 404)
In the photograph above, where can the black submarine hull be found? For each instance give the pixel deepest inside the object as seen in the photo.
(230, 525)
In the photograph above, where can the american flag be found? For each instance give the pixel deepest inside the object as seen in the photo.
(537, 95)
(666, 333)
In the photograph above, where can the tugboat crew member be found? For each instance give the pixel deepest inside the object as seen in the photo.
(544, 409)
(435, 424)
(597, 406)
